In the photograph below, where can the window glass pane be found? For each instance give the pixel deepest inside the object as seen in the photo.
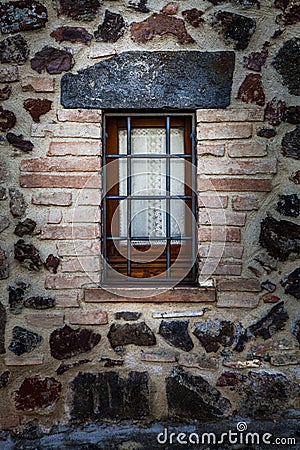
(177, 172)
(148, 176)
(177, 140)
(148, 218)
(178, 211)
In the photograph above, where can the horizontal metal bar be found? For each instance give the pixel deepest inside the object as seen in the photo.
(148, 197)
(149, 238)
(148, 114)
(150, 155)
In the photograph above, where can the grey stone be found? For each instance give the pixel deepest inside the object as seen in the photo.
(140, 5)
(215, 333)
(24, 341)
(268, 286)
(289, 205)
(175, 332)
(25, 227)
(287, 64)
(235, 28)
(192, 397)
(64, 367)
(292, 115)
(291, 143)
(4, 223)
(22, 15)
(268, 262)
(106, 395)
(17, 202)
(280, 238)
(296, 330)
(131, 333)
(128, 315)
(16, 296)
(39, 302)
(14, 49)
(291, 283)
(4, 267)
(4, 378)
(28, 255)
(3, 195)
(85, 10)
(3, 321)
(112, 28)
(183, 79)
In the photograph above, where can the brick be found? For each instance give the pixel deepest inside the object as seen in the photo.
(224, 131)
(9, 74)
(211, 149)
(133, 295)
(54, 216)
(230, 115)
(88, 317)
(70, 232)
(242, 284)
(81, 264)
(237, 300)
(235, 184)
(60, 181)
(47, 320)
(38, 84)
(60, 165)
(24, 361)
(269, 298)
(8, 422)
(66, 299)
(219, 234)
(83, 214)
(83, 148)
(246, 203)
(220, 250)
(79, 115)
(52, 198)
(69, 282)
(81, 248)
(246, 149)
(81, 130)
(220, 268)
(215, 217)
(212, 201)
(161, 357)
(211, 166)
(86, 197)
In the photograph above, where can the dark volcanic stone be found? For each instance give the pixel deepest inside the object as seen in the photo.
(64, 367)
(52, 262)
(291, 14)
(266, 327)
(230, 379)
(214, 333)
(37, 107)
(17, 203)
(7, 119)
(72, 34)
(25, 227)
(79, 9)
(4, 267)
(39, 302)
(296, 177)
(160, 24)
(192, 397)
(14, 50)
(152, 80)
(17, 141)
(287, 63)
(280, 238)
(255, 60)
(268, 286)
(267, 133)
(289, 205)
(108, 362)
(4, 223)
(274, 112)
(266, 395)
(5, 93)
(16, 296)
(112, 28)
(2, 328)
(296, 330)
(251, 90)
(292, 114)
(131, 333)
(107, 396)
(24, 341)
(66, 342)
(22, 15)
(128, 315)
(176, 333)
(140, 5)
(3, 195)
(28, 255)
(291, 144)
(193, 16)
(291, 283)
(4, 378)
(53, 60)
(37, 393)
(236, 28)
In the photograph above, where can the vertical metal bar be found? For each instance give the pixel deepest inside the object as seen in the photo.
(194, 198)
(168, 188)
(129, 188)
(104, 205)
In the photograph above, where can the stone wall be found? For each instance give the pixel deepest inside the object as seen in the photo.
(71, 351)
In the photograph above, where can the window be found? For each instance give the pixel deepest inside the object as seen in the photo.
(149, 202)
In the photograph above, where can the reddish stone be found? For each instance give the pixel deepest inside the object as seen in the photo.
(64, 367)
(79, 9)
(5, 93)
(52, 263)
(251, 90)
(160, 24)
(72, 34)
(37, 393)
(291, 12)
(193, 16)
(66, 342)
(236, 28)
(18, 142)
(171, 8)
(22, 15)
(274, 111)
(37, 107)
(53, 60)
(255, 60)
(7, 119)
(296, 177)
(230, 379)
(112, 28)
(25, 227)
(271, 298)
